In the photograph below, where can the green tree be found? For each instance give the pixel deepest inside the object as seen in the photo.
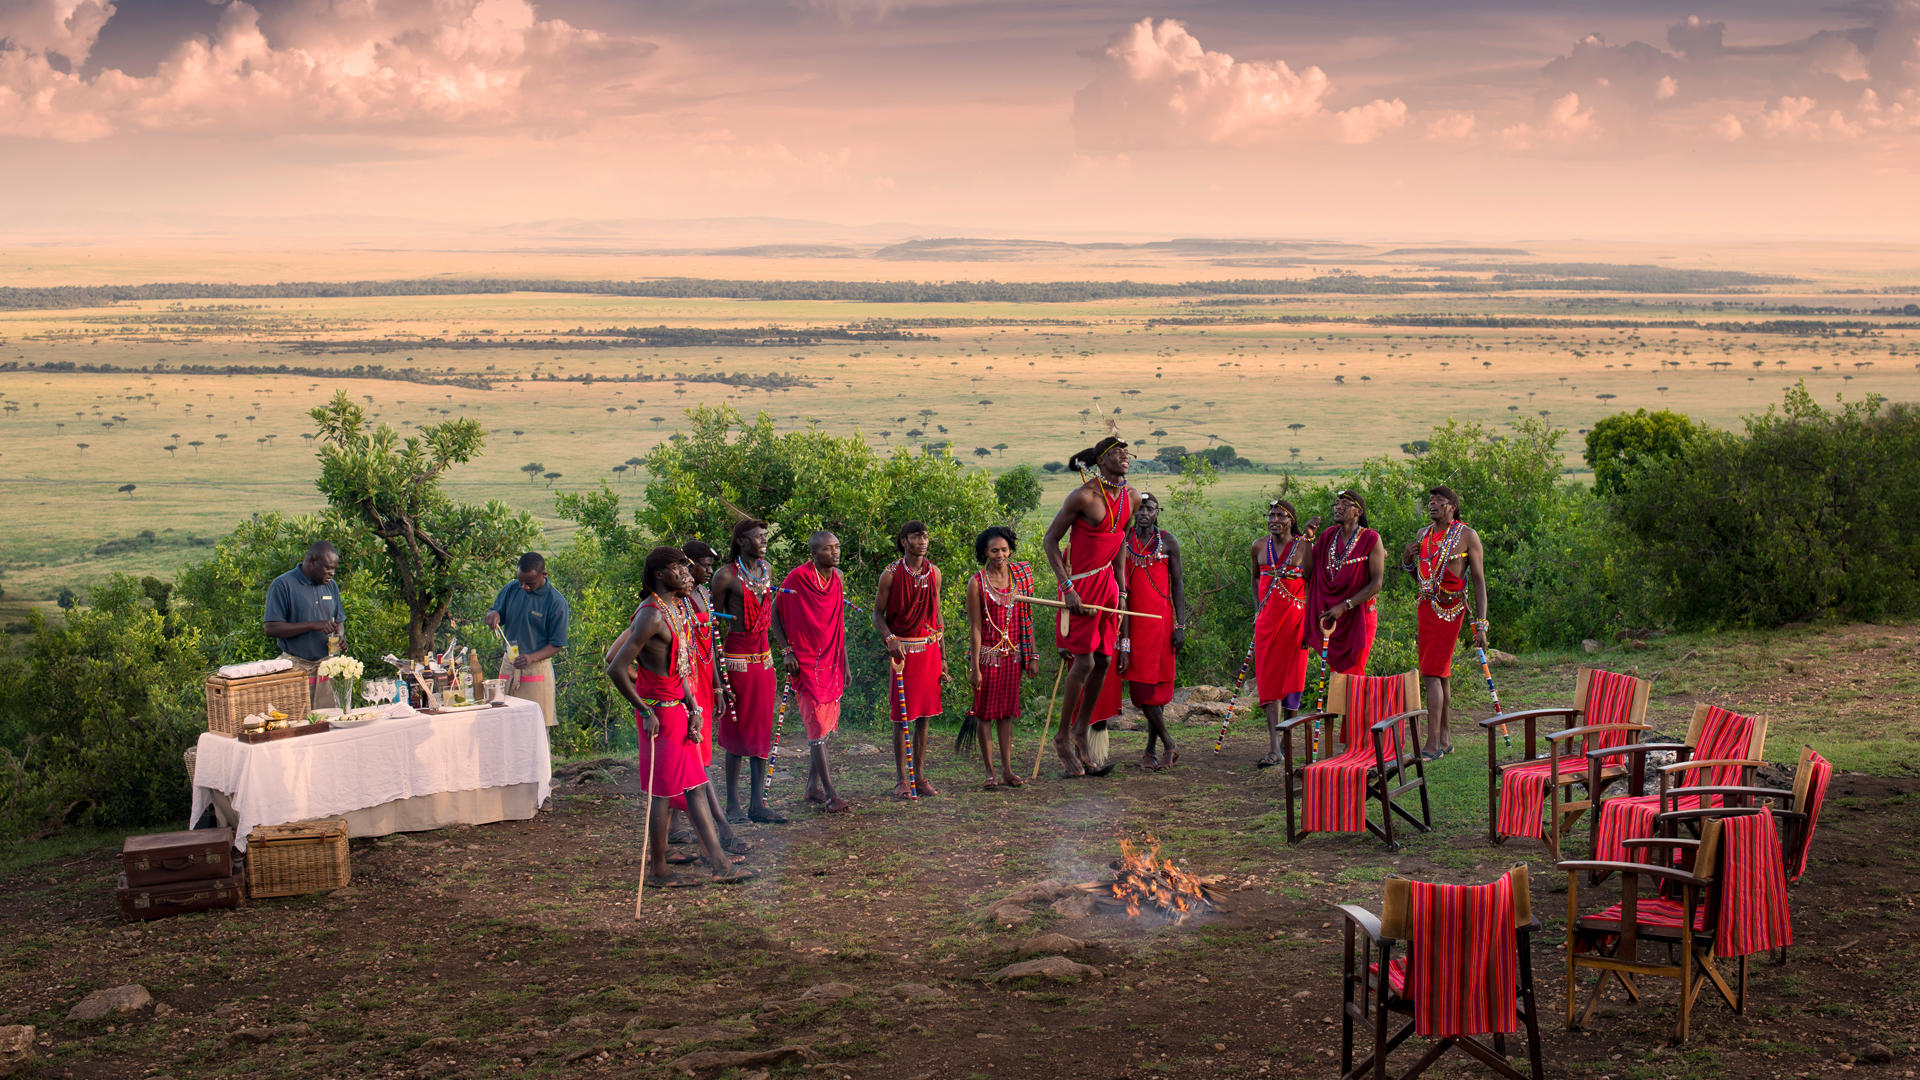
(1624, 442)
(1017, 491)
(391, 488)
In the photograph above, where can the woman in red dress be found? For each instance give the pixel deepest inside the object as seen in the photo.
(1002, 635)
(1280, 599)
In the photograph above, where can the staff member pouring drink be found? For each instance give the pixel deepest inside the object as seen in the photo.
(534, 617)
(304, 612)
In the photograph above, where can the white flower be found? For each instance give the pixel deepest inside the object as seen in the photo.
(341, 667)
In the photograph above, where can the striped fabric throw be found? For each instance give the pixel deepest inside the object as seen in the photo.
(1463, 966)
(1725, 736)
(1334, 790)
(1753, 885)
(1822, 774)
(1523, 787)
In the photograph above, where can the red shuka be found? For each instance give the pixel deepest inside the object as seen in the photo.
(1279, 652)
(1090, 553)
(813, 615)
(1463, 964)
(913, 611)
(1724, 737)
(1149, 588)
(747, 729)
(1523, 787)
(1005, 644)
(668, 764)
(1333, 575)
(1443, 600)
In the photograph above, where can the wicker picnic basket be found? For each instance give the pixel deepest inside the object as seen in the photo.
(230, 700)
(289, 860)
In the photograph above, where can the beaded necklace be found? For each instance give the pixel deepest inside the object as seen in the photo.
(1152, 555)
(1337, 555)
(680, 621)
(923, 578)
(1114, 503)
(1280, 563)
(818, 580)
(1002, 599)
(760, 582)
(1434, 565)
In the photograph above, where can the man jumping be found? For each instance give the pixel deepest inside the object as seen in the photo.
(1096, 514)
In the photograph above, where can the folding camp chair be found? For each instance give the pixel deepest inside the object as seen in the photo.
(1468, 971)
(1612, 712)
(1795, 813)
(1379, 732)
(1722, 750)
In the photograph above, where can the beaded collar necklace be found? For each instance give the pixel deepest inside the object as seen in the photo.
(1147, 555)
(922, 578)
(760, 582)
(680, 622)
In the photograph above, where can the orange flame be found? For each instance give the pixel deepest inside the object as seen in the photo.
(1144, 878)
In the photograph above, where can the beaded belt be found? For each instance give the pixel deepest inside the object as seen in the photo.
(656, 703)
(1447, 604)
(743, 661)
(1084, 574)
(995, 655)
(915, 644)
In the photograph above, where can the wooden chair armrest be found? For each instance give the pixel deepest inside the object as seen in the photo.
(1660, 841)
(1703, 813)
(1289, 725)
(1527, 714)
(1364, 919)
(1688, 766)
(1785, 794)
(1637, 749)
(1389, 722)
(1581, 866)
(1588, 729)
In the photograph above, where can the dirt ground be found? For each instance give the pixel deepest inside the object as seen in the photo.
(512, 948)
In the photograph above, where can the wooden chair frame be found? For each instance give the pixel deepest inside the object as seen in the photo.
(1381, 777)
(1563, 812)
(1369, 997)
(1619, 958)
(1670, 790)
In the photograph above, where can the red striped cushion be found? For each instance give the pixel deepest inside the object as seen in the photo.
(1523, 791)
(1725, 736)
(1463, 966)
(1655, 911)
(1334, 790)
(1753, 881)
(1396, 975)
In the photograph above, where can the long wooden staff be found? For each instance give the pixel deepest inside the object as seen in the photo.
(906, 728)
(646, 827)
(1239, 681)
(1048, 722)
(779, 721)
(1090, 607)
(1487, 670)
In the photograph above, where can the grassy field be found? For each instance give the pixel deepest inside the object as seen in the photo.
(511, 949)
(1315, 397)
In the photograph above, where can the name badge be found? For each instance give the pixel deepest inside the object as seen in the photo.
(325, 596)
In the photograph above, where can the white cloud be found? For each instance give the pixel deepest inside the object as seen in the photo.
(1728, 127)
(1155, 86)
(324, 65)
(1452, 126)
(65, 28)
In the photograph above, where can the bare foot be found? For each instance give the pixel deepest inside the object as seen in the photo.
(838, 805)
(902, 791)
(673, 881)
(734, 877)
(1011, 780)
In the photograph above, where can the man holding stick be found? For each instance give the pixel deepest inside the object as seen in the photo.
(1348, 566)
(809, 618)
(1444, 548)
(743, 591)
(650, 669)
(1096, 515)
(907, 615)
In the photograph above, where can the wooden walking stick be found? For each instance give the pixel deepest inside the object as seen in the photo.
(1043, 602)
(906, 729)
(646, 826)
(1048, 722)
(779, 721)
(1487, 670)
(1239, 681)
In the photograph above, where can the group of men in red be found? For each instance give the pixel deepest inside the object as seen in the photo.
(1122, 619)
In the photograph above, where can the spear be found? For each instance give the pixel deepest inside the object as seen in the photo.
(1238, 681)
(1487, 670)
(1326, 683)
(906, 729)
(779, 720)
(1048, 722)
(646, 827)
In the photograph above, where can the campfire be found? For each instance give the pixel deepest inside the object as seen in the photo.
(1143, 881)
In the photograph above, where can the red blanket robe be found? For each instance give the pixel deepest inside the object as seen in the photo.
(747, 728)
(1005, 644)
(1149, 587)
(1279, 652)
(1443, 601)
(1334, 575)
(668, 764)
(912, 613)
(814, 618)
(1090, 553)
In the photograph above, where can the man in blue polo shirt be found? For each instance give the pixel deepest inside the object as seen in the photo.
(304, 612)
(533, 615)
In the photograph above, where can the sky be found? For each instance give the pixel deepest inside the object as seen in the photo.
(1358, 119)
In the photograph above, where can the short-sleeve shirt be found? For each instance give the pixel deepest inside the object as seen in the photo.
(532, 620)
(293, 598)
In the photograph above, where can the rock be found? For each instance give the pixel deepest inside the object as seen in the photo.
(1188, 695)
(586, 1021)
(862, 749)
(1218, 710)
(916, 992)
(1589, 645)
(1005, 913)
(439, 1043)
(584, 1053)
(1175, 713)
(717, 1061)
(345, 892)
(1501, 659)
(1122, 724)
(1076, 905)
(1057, 968)
(163, 1009)
(16, 1048)
(833, 991)
(1050, 889)
(684, 1034)
(1050, 944)
(1875, 1052)
(104, 1003)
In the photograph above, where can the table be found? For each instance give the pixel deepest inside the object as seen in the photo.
(396, 774)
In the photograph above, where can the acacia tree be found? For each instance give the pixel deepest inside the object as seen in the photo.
(431, 545)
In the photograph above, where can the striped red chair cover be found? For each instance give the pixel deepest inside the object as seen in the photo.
(1724, 736)
(1819, 776)
(1334, 790)
(1753, 878)
(1523, 787)
(1462, 969)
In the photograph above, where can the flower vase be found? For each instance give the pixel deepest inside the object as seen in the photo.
(345, 695)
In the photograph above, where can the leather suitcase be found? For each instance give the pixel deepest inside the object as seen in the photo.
(161, 858)
(179, 897)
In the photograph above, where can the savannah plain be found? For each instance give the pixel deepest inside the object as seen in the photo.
(511, 950)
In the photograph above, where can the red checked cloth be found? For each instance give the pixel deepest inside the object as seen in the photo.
(1523, 787)
(1334, 791)
(1725, 736)
(1463, 967)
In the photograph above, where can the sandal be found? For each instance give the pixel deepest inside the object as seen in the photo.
(738, 847)
(1014, 781)
(1102, 770)
(990, 785)
(734, 877)
(674, 881)
(1268, 762)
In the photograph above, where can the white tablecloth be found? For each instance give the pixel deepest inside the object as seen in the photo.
(347, 769)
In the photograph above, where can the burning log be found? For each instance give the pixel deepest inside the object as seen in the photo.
(1143, 881)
